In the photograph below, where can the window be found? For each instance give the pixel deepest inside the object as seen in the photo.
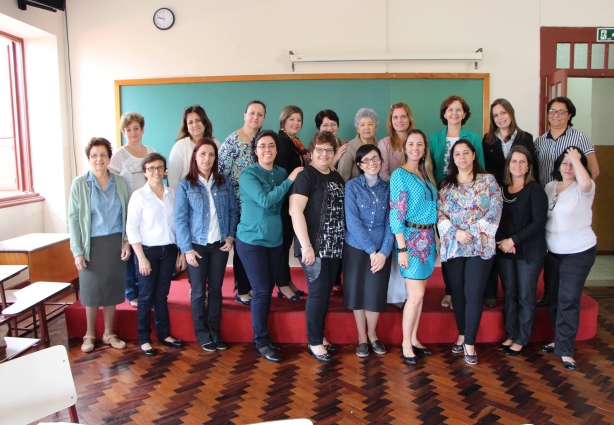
(15, 170)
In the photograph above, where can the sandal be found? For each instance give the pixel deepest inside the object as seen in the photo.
(470, 358)
(113, 341)
(88, 344)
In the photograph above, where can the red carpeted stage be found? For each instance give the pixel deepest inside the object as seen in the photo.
(287, 318)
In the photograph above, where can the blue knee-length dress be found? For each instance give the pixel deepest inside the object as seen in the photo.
(415, 200)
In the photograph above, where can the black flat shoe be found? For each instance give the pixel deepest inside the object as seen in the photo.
(377, 346)
(409, 360)
(511, 352)
(220, 345)
(457, 348)
(326, 358)
(274, 346)
(330, 348)
(175, 344)
(362, 350)
(504, 347)
(570, 365)
(209, 346)
(548, 349)
(421, 351)
(295, 297)
(149, 352)
(268, 354)
(238, 298)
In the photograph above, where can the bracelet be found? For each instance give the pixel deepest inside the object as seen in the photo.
(404, 249)
(303, 249)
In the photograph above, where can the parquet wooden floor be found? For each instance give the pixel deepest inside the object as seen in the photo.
(189, 386)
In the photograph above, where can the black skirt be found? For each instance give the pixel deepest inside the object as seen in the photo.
(362, 289)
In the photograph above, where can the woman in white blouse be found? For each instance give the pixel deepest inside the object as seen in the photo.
(151, 232)
(572, 248)
(194, 126)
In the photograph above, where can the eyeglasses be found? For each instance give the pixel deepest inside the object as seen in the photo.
(159, 168)
(329, 151)
(555, 199)
(374, 160)
(329, 125)
(270, 146)
(99, 155)
(560, 112)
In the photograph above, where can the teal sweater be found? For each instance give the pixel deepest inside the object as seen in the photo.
(80, 214)
(437, 144)
(262, 194)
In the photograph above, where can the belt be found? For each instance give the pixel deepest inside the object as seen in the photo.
(418, 226)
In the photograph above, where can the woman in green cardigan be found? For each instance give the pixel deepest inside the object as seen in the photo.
(454, 113)
(98, 241)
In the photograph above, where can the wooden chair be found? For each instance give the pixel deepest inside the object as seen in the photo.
(36, 386)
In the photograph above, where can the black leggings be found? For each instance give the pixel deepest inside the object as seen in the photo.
(468, 276)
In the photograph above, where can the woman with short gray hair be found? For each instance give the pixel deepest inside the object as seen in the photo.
(366, 122)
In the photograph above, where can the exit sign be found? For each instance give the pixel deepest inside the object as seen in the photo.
(605, 34)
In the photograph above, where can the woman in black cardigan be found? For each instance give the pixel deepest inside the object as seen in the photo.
(521, 240)
(502, 135)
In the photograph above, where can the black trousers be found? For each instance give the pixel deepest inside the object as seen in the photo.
(467, 276)
(519, 280)
(242, 285)
(283, 274)
(566, 276)
(492, 283)
(321, 277)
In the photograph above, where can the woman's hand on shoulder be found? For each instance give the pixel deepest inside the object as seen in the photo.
(295, 172)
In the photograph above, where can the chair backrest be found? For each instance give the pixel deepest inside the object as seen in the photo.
(36, 386)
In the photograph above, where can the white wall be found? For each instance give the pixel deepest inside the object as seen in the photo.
(580, 90)
(43, 33)
(602, 107)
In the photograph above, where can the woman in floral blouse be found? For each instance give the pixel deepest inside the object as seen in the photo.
(469, 209)
(235, 155)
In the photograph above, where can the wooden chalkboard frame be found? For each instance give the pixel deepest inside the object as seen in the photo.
(280, 77)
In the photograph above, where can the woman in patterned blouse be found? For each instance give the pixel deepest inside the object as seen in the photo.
(235, 155)
(469, 209)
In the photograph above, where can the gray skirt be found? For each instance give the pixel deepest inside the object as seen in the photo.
(103, 282)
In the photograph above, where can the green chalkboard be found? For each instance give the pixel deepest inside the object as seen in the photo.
(224, 101)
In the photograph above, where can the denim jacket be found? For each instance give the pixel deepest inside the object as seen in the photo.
(192, 213)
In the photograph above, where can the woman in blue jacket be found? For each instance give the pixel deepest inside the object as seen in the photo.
(203, 195)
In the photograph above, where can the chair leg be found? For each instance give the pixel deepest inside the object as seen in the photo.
(74, 418)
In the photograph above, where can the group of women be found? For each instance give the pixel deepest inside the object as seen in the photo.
(368, 210)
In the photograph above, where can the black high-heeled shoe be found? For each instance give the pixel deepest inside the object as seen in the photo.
(295, 297)
(548, 348)
(326, 358)
(409, 360)
(300, 293)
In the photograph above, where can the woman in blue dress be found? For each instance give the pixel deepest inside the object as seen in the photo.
(413, 214)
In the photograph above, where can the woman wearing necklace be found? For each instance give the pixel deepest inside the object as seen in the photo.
(454, 113)
(469, 210)
(316, 208)
(366, 122)
(572, 248)
(291, 154)
(521, 239)
(366, 252)
(413, 215)
(235, 155)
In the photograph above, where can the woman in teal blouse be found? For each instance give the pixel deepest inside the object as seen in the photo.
(454, 113)
(262, 188)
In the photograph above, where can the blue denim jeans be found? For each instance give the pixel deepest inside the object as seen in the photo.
(566, 276)
(132, 276)
(206, 298)
(519, 282)
(153, 291)
(261, 264)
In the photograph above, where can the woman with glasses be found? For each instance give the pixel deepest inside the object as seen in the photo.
(366, 122)
(328, 120)
(521, 243)
(413, 215)
(206, 217)
(316, 208)
(572, 248)
(366, 252)
(554, 143)
(291, 154)
(194, 126)
(263, 187)
(235, 155)
(454, 113)
(468, 210)
(151, 231)
(98, 241)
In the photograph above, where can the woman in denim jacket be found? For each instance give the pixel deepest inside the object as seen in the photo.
(202, 195)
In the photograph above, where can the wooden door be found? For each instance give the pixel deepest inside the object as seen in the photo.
(556, 84)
